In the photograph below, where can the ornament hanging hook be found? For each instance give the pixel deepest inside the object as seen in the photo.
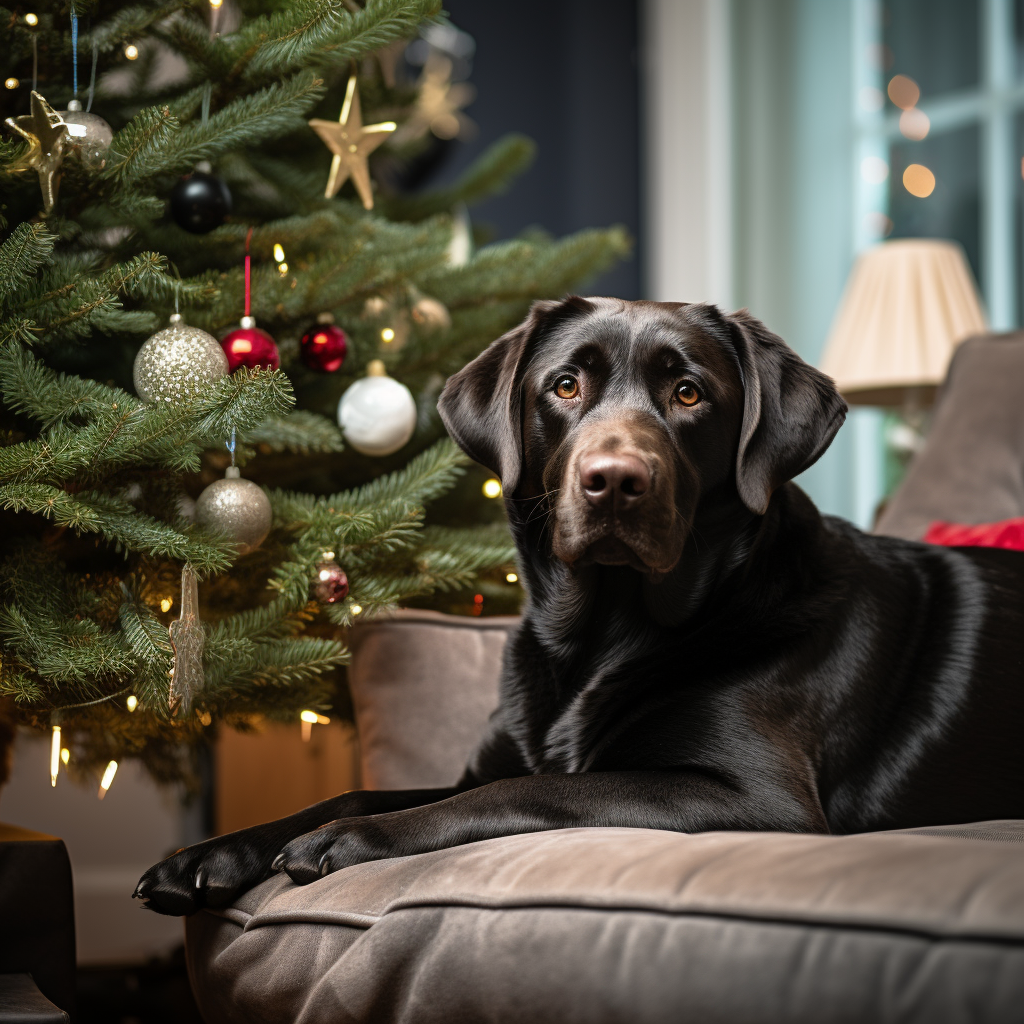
(74, 50)
(175, 284)
(92, 75)
(248, 240)
(230, 445)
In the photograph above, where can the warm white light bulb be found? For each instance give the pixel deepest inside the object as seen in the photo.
(511, 577)
(32, 19)
(356, 609)
(65, 754)
(132, 702)
(387, 334)
(12, 83)
(54, 755)
(278, 252)
(108, 778)
(492, 488)
(131, 51)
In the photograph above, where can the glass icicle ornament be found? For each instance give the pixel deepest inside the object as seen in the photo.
(176, 362)
(187, 639)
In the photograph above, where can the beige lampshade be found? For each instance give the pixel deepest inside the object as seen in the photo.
(907, 305)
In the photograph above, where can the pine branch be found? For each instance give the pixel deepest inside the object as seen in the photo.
(28, 248)
(301, 431)
(128, 25)
(154, 143)
(149, 642)
(491, 174)
(117, 521)
(327, 32)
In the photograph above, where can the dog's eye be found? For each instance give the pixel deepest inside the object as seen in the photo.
(567, 387)
(687, 393)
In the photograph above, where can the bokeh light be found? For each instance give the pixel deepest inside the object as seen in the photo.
(914, 124)
(904, 91)
(919, 181)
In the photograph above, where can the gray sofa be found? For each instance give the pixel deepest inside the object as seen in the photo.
(608, 924)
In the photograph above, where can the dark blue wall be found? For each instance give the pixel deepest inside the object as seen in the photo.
(563, 72)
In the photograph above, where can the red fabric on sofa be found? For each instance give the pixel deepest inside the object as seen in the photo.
(1009, 533)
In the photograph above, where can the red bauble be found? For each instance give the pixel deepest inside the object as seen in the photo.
(332, 583)
(249, 346)
(324, 348)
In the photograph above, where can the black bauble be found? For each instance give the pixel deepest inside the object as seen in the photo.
(200, 202)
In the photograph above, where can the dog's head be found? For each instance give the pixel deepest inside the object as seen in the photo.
(630, 414)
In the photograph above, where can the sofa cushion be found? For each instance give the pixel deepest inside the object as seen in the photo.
(423, 685)
(613, 924)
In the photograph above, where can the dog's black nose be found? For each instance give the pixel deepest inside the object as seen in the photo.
(613, 479)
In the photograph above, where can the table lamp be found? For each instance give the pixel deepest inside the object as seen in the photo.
(907, 305)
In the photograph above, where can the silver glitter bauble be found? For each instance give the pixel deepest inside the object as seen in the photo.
(176, 362)
(90, 135)
(236, 507)
(377, 414)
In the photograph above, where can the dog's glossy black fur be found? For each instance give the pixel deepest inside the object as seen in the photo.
(700, 648)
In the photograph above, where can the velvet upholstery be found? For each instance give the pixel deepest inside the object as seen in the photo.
(638, 926)
(971, 469)
(423, 685)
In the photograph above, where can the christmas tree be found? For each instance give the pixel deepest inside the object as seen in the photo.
(149, 592)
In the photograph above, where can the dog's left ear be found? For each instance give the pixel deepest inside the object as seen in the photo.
(480, 405)
(791, 412)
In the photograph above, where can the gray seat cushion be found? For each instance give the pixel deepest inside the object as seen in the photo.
(423, 685)
(633, 925)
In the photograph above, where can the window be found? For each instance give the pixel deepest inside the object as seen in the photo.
(939, 97)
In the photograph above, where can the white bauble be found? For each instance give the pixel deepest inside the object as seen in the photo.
(175, 364)
(377, 413)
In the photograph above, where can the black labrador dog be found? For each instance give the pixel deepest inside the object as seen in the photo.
(701, 649)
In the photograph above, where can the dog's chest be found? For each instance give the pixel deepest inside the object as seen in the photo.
(582, 730)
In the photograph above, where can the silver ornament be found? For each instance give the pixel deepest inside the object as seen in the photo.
(377, 413)
(176, 362)
(236, 507)
(90, 135)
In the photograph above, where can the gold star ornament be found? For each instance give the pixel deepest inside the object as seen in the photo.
(351, 142)
(439, 105)
(48, 141)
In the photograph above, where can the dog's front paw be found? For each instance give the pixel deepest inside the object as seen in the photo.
(338, 844)
(210, 874)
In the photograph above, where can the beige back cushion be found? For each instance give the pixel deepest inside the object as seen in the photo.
(423, 685)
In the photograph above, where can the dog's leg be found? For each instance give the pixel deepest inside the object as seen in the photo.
(216, 872)
(683, 801)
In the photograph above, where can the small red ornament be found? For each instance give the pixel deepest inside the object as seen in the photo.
(331, 583)
(324, 347)
(248, 346)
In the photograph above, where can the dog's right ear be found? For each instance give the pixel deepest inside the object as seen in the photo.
(480, 405)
